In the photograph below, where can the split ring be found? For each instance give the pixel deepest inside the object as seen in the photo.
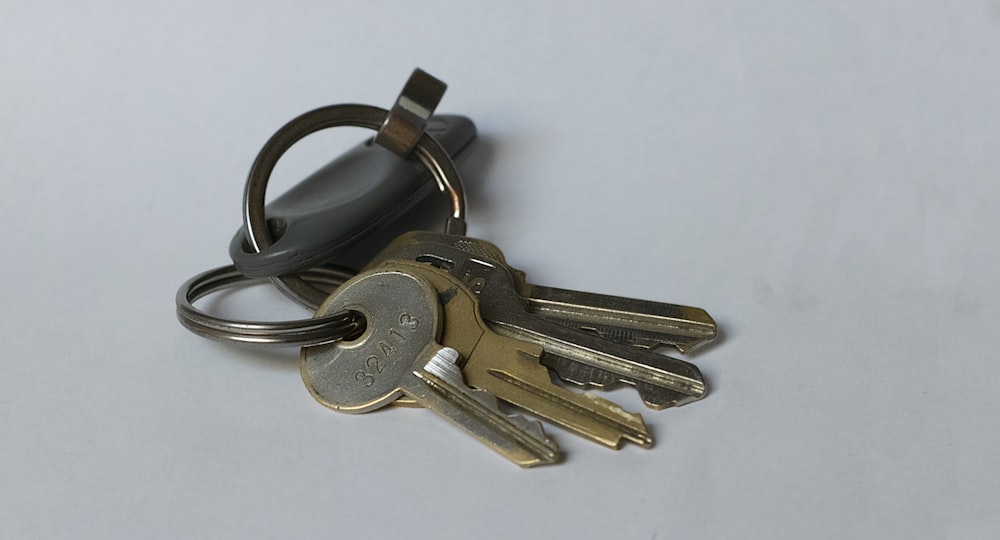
(427, 149)
(298, 333)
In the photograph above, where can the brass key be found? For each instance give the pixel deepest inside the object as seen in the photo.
(509, 368)
(578, 357)
(399, 354)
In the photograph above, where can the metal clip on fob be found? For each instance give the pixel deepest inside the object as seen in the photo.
(400, 129)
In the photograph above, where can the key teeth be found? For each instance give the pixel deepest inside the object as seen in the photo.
(578, 373)
(531, 426)
(659, 398)
(444, 365)
(654, 397)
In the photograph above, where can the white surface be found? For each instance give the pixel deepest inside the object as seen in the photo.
(822, 178)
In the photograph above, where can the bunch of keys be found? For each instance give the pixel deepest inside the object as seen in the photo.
(439, 320)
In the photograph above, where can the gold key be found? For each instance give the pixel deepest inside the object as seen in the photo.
(509, 368)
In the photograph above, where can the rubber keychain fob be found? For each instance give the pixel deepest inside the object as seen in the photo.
(329, 212)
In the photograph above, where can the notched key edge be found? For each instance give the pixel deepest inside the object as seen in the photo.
(588, 376)
(443, 376)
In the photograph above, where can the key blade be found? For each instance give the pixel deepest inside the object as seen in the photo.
(631, 321)
(440, 388)
(661, 381)
(591, 417)
(641, 323)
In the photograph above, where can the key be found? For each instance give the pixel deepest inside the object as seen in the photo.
(641, 323)
(399, 354)
(510, 370)
(577, 357)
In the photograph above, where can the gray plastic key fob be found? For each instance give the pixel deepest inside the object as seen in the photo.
(341, 204)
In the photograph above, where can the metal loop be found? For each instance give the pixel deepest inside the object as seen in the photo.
(298, 333)
(428, 150)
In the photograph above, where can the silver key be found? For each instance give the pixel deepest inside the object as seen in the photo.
(399, 354)
(641, 323)
(577, 357)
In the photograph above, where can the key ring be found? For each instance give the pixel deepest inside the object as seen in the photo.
(302, 287)
(427, 149)
(400, 130)
(297, 333)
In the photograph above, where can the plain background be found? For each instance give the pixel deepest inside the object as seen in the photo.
(822, 177)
